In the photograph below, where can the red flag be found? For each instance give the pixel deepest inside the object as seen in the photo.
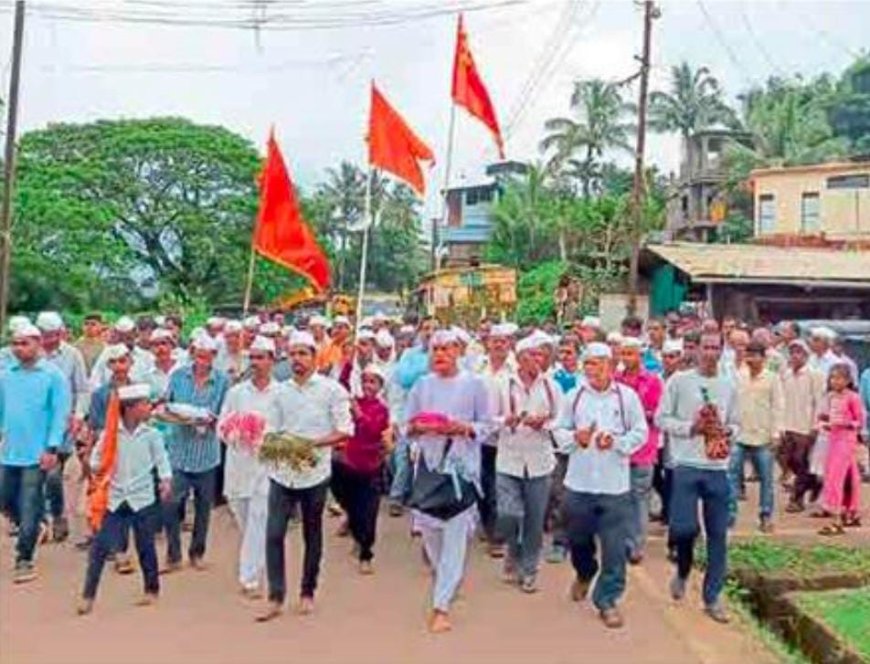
(281, 234)
(98, 503)
(469, 90)
(393, 146)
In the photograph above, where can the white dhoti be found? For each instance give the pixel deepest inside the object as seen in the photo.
(247, 493)
(446, 544)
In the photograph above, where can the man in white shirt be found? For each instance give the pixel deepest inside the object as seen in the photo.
(822, 357)
(601, 425)
(125, 333)
(246, 479)
(317, 408)
(526, 409)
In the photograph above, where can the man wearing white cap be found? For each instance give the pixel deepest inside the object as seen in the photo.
(246, 479)
(316, 408)
(602, 424)
(140, 454)
(125, 333)
(7, 357)
(194, 450)
(72, 365)
(803, 391)
(35, 405)
(527, 408)
(672, 362)
(231, 357)
(350, 375)
(499, 366)
(449, 454)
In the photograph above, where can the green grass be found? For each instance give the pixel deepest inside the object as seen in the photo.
(847, 612)
(764, 555)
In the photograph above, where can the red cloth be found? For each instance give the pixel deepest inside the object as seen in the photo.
(393, 146)
(364, 452)
(281, 234)
(468, 89)
(649, 388)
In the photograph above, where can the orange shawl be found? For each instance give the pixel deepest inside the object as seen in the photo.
(99, 499)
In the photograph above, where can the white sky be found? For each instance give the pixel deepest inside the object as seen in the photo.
(313, 85)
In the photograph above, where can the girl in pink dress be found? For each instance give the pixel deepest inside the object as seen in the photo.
(842, 417)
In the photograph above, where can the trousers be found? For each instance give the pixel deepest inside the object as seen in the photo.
(250, 515)
(605, 517)
(23, 499)
(143, 524)
(202, 485)
(710, 488)
(522, 506)
(358, 495)
(282, 504)
(446, 547)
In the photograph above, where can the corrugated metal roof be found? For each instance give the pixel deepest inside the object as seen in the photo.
(764, 264)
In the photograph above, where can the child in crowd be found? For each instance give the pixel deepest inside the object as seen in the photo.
(842, 417)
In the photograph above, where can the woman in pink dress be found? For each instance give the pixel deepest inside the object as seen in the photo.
(842, 418)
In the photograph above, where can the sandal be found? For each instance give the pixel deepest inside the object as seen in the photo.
(820, 514)
(832, 530)
(852, 521)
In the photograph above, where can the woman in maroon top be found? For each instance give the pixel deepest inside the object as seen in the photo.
(356, 470)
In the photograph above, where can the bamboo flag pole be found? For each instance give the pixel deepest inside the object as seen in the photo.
(249, 286)
(367, 221)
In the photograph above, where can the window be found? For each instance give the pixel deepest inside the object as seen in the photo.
(810, 218)
(860, 181)
(766, 213)
(478, 195)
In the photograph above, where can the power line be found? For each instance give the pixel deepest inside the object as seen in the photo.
(758, 43)
(717, 33)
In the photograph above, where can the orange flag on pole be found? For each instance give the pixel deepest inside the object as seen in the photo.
(468, 88)
(98, 504)
(280, 233)
(393, 146)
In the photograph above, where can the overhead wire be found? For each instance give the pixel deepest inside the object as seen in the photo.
(720, 37)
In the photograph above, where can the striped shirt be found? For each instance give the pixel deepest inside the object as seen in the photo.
(195, 449)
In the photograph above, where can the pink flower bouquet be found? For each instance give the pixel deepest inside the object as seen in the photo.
(244, 431)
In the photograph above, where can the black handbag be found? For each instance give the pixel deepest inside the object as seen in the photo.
(439, 494)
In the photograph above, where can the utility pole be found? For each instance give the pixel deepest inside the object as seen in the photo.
(650, 12)
(9, 164)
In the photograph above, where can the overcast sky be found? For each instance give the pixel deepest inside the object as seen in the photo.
(313, 84)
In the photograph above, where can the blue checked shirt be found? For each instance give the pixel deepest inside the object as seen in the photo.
(195, 449)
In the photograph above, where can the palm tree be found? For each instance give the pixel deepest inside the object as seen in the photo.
(344, 190)
(597, 127)
(694, 103)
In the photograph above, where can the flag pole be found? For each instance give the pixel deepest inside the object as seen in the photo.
(448, 163)
(367, 220)
(249, 286)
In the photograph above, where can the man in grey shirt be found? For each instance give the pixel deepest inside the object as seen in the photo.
(699, 414)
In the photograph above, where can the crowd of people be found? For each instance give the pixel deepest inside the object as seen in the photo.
(556, 445)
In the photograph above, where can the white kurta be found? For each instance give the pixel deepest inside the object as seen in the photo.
(246, 480)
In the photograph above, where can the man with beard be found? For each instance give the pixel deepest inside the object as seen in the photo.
(454, 417)
(316, 408)
(699, 414)
(72, 365)
(34, 410)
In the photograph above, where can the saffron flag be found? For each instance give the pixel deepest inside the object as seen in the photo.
(393, 146)
(280, 233)
(468, 88)
(98, 502)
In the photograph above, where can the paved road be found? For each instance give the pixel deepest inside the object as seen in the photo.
(201, 618)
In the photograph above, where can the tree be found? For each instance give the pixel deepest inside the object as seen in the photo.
(849, 107)
(578, 143)
(116, 213)
(693, 103)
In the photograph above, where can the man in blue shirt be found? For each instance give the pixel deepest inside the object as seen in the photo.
(34, 408)
(194, 450)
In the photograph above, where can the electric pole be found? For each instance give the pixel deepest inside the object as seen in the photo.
(9, 163)
(650, 13)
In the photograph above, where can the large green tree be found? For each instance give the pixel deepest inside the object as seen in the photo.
(849, 106)
(114, 213)
(576, 145)
(694, 102)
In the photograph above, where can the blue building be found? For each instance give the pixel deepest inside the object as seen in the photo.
(469, 215)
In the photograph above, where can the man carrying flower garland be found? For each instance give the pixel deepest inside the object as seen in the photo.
(246, 479)
(316, 408)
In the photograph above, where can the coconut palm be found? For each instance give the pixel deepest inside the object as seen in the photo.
(597, 127)
(695, 102)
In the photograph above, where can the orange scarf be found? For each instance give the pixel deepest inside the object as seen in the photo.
(99, 503)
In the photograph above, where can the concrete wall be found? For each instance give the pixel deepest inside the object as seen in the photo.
(843, 212)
